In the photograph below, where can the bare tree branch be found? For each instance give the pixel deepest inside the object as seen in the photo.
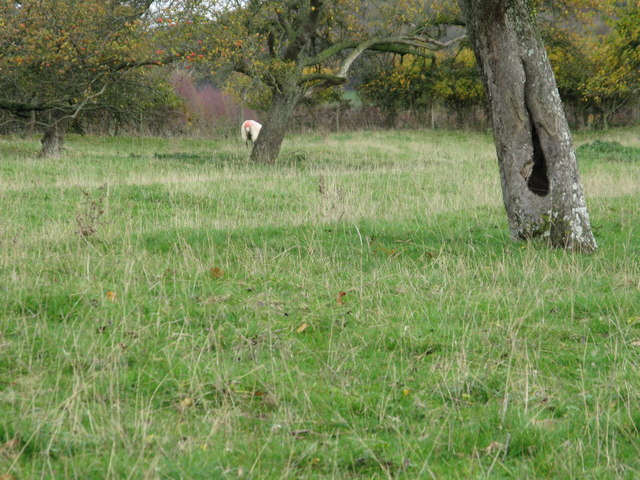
(79, 107)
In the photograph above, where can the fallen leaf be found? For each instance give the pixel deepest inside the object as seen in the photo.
(186, 402)
(339, 300)
(302, 327)
(11, 445)
(111, 296)
(216, 273)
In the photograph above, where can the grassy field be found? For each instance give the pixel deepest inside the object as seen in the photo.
(168, 310)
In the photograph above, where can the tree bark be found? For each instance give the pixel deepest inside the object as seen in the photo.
(53, 139)
(267, 146)
(541, 187)
(31, 124)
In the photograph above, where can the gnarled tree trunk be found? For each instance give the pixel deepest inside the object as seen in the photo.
(53, 139)
(541, 187)
(283, 104)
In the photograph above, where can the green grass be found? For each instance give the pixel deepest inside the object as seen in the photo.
(198, 332)
(609, 151)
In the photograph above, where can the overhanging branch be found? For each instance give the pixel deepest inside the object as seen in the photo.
(386, 44)
(410, 44)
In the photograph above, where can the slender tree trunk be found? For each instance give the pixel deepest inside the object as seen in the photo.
(541, 188)
(53, 139)
(432, 111)
(31, 124)
(267, 146)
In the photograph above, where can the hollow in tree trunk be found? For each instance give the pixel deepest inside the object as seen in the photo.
(268, 143)
(541, 187)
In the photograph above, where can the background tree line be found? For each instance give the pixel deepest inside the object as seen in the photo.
(154, 68)
(593, 48)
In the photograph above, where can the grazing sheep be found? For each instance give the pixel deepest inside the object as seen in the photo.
(250, 130)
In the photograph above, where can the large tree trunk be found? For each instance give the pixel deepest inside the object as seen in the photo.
(267, 146)
(540, 183)
(53, 139)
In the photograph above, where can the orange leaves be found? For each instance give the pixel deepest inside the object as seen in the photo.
(67, 47)
(167, 21)
(307, 326)
(11, 445)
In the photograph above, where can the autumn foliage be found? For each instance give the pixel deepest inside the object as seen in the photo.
(72, 59)
(592, 45)
(449, 79)
(61, 59)
(60, 54)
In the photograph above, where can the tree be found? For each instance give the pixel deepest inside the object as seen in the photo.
(394, 84)
(299, 48)
(615, 78)
(59, 58)
(414, 83)
(541, 187)
(587, 43)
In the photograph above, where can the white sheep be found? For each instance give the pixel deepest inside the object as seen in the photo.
(250, 130)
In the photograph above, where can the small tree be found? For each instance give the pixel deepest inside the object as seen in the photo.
(615, 78)
(395, 83)
(59, 58)
(418, 84)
